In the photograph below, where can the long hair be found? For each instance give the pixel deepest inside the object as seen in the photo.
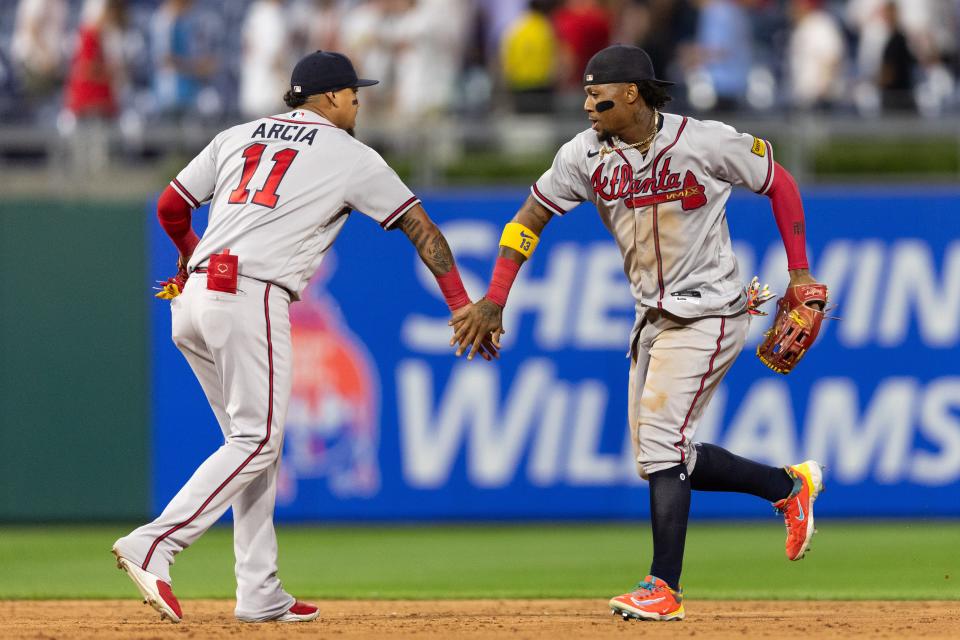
(654, 95)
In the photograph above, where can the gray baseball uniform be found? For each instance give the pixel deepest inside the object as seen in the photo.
(666, 209)
(281, 189)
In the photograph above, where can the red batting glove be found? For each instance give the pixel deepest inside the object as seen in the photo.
(173, 286)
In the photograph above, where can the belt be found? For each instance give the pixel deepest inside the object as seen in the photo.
(279, 286)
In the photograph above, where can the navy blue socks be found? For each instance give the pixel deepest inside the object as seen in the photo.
(719, 470)
(669, 510)
(716, 470)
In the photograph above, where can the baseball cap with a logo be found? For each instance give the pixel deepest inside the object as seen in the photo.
(621, 63)
(323, 71)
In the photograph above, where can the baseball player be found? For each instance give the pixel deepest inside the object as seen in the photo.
(660, 183)
(280, 190)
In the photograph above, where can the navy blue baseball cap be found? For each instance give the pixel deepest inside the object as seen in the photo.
(323, 71)
(621, 63)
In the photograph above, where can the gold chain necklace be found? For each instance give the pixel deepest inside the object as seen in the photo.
(643, 143)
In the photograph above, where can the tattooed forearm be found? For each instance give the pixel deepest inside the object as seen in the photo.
(440, 258)
(414, 229)
(429, 242)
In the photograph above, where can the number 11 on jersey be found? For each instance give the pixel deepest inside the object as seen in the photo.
(266, 196)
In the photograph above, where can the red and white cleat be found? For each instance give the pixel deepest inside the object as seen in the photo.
(797, 508)
(155, 591)
(299, 612)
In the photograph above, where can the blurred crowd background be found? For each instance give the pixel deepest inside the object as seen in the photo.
(85, 83)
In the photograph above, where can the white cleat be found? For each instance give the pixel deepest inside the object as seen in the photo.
(155, 591)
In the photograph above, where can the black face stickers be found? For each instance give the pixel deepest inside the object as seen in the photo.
(605, 105)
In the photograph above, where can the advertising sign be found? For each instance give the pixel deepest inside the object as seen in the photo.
(385, 424)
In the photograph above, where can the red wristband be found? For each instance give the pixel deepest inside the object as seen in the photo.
(451, 286)
(504, 273)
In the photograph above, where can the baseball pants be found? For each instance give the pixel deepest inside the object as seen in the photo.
(238, 345)
(676, 366)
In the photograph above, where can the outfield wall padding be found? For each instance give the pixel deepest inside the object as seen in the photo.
(73, 361)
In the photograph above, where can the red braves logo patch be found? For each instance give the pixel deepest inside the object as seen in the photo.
(666, 187)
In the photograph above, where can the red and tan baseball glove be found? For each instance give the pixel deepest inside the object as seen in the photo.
(795, 326)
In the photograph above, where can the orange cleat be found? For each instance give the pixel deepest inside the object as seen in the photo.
(797, 508)
(652, 599)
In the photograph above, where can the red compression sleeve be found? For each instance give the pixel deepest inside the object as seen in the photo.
(452, 288)
(504, 273)
(174, 215)
(788, 211)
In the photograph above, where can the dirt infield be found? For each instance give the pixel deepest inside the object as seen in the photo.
(107, 619)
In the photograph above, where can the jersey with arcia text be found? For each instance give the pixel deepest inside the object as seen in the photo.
(281, 188)
(666, 208)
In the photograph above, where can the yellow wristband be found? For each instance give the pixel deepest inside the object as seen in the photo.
(519, 238)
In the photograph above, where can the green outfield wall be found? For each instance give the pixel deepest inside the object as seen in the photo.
(73, 361)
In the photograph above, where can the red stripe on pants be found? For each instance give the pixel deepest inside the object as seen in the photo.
(703, 381)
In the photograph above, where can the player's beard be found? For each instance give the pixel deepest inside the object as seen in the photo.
(604, 138)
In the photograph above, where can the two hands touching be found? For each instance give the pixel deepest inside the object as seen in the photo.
(477, 328)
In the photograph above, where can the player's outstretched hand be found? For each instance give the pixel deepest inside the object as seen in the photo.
(477, 329)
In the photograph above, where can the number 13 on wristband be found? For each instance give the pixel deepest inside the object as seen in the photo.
(519, 238)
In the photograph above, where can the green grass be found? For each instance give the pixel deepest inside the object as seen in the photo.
(901, 560)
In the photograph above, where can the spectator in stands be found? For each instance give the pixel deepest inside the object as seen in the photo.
(427, 40)
(496, 17)
(932, 34)
(816, 54)
(930, 28)
(631, 22)
(360, 35)
(11, 102)
(97, 72)
(528, 52)
(265, 69)
(583, 28)
(723, 50)
(896, 75)
(866, 20)
(661, 27)
(178, 68)
(316, 25)
(37, 45)
(94, 84)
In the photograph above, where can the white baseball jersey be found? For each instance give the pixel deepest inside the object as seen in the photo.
(281, 189)
(667, 209)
